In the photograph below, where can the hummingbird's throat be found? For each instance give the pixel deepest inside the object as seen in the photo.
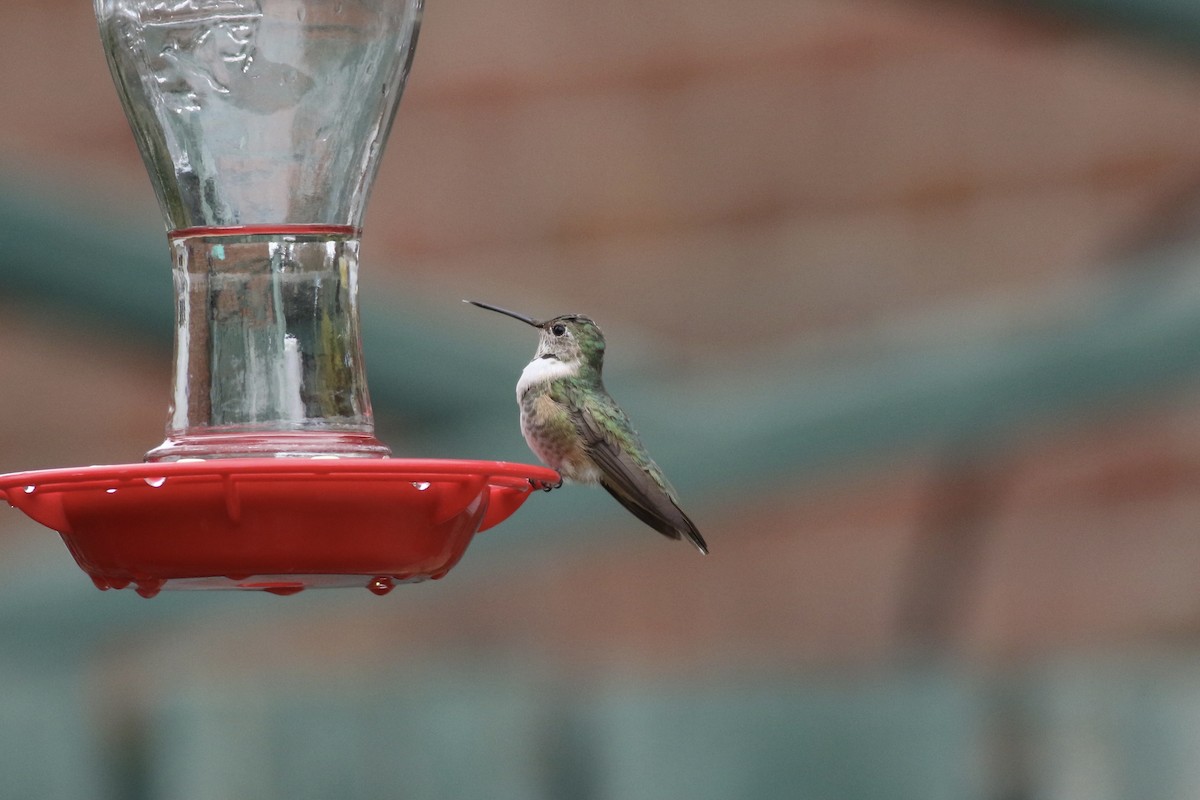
(541, 371)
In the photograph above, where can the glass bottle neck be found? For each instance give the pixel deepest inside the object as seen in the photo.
(268, 357)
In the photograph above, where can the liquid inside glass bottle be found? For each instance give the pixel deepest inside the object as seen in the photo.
(267, 353)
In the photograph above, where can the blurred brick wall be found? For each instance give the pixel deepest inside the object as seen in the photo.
(788, 168)
(723, 176)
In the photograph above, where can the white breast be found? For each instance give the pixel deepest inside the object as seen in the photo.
(542, 370)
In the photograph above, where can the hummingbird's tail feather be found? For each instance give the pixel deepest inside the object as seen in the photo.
(693, 534)
(672, 523)
(635, 481)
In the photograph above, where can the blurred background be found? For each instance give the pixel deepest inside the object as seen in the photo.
(904, 295)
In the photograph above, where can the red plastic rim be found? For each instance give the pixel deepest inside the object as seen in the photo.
(277, 525)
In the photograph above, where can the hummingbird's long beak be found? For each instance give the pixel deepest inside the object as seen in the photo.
(505, 311)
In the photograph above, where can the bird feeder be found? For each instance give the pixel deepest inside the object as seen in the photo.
(261, 124)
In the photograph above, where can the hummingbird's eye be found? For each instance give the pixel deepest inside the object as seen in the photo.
(559, 329)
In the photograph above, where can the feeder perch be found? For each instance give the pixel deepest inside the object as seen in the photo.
(261, 124)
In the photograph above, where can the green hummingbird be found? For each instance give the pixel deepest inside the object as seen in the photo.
(573, 425)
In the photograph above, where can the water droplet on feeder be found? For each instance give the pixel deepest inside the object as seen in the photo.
(30, 489)
(381, 585)
(110, 490)
(421, 486)
(155, 482)
(149, 587)
(284, 589)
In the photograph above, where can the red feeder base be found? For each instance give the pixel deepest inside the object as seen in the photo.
(275, 525)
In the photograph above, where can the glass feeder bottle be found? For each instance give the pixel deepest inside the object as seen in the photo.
(261, 124)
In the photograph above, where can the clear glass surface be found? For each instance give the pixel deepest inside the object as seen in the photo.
(260, 111)
(261, 124)
(268, 343)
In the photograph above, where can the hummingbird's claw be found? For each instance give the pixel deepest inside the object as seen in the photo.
(544, 486)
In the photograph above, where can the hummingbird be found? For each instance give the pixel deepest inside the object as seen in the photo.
(571, 422)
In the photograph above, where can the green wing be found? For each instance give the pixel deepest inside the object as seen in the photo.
(628, 472)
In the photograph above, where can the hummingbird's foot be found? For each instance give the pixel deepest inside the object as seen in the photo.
(544, 486)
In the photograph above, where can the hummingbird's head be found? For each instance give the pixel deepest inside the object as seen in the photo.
(572, 338)
(569, 338)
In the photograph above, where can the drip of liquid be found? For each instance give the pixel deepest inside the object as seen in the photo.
(284, 590)
(149, 587)
(381, 585)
